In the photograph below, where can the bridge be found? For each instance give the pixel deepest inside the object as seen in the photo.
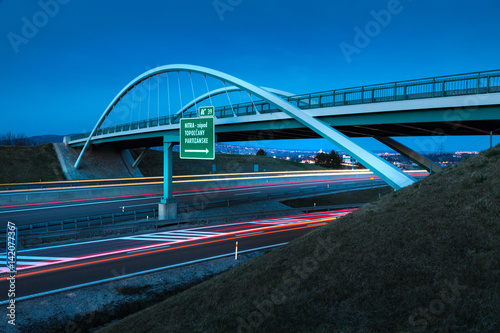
(147, 112)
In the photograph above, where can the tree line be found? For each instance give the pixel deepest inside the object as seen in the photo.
(329, 161)
(12, 139)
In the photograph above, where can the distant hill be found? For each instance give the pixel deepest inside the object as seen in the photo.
(425, 258)
(51, 138)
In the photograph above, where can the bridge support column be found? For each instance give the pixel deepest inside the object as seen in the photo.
(411, 154)
(167, 208)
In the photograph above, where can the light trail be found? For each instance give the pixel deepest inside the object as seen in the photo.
(207, 178)
(194, 191)
(207, 234)
(160, 178)
(156, 251)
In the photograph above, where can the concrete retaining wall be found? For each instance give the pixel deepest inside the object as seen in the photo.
(101, 163)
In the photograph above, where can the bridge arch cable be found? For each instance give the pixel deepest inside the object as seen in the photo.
(229, 98)
(125, 109)
(133, 103)
(192, 89)
(254, 107)
(158, 84)
(121, 110)
(168, 99)
(140, 103)
(208, 90)
(179, 83)
(149, 97)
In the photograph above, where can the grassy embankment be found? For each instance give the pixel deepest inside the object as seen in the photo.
(29, 164)
(425, 258)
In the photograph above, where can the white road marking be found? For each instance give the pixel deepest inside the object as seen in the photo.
(161, 236)
(154, 248)
(39, 258)
(28, 263)
(206, 232)
(152, 239)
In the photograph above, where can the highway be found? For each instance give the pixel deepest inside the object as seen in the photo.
(57, 268)
(202, 192)
(55, 185)
(63, 267)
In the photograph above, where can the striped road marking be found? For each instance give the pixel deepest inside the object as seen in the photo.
(174, 236)
(34, 261)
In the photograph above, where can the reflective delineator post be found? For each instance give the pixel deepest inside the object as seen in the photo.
(236, 252)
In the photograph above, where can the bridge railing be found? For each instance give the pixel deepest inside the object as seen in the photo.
(441, 86)
(444, 86)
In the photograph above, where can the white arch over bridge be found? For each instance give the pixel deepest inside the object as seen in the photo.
(386, 171)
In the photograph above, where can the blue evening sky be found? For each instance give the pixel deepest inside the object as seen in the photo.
(62, 61)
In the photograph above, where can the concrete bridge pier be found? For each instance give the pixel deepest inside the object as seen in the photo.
(167, 209)
(410, 154)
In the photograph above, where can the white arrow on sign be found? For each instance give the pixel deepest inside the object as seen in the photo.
(197, 151)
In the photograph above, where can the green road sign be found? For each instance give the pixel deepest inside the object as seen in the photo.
(197, 139)
(206, 111)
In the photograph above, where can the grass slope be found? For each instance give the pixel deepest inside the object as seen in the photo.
(152, 164)
(425, 258)
(29, 164)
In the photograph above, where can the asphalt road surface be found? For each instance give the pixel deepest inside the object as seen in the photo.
(63, 267)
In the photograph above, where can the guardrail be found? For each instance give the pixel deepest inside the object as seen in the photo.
(147, 218)
(439, 86)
